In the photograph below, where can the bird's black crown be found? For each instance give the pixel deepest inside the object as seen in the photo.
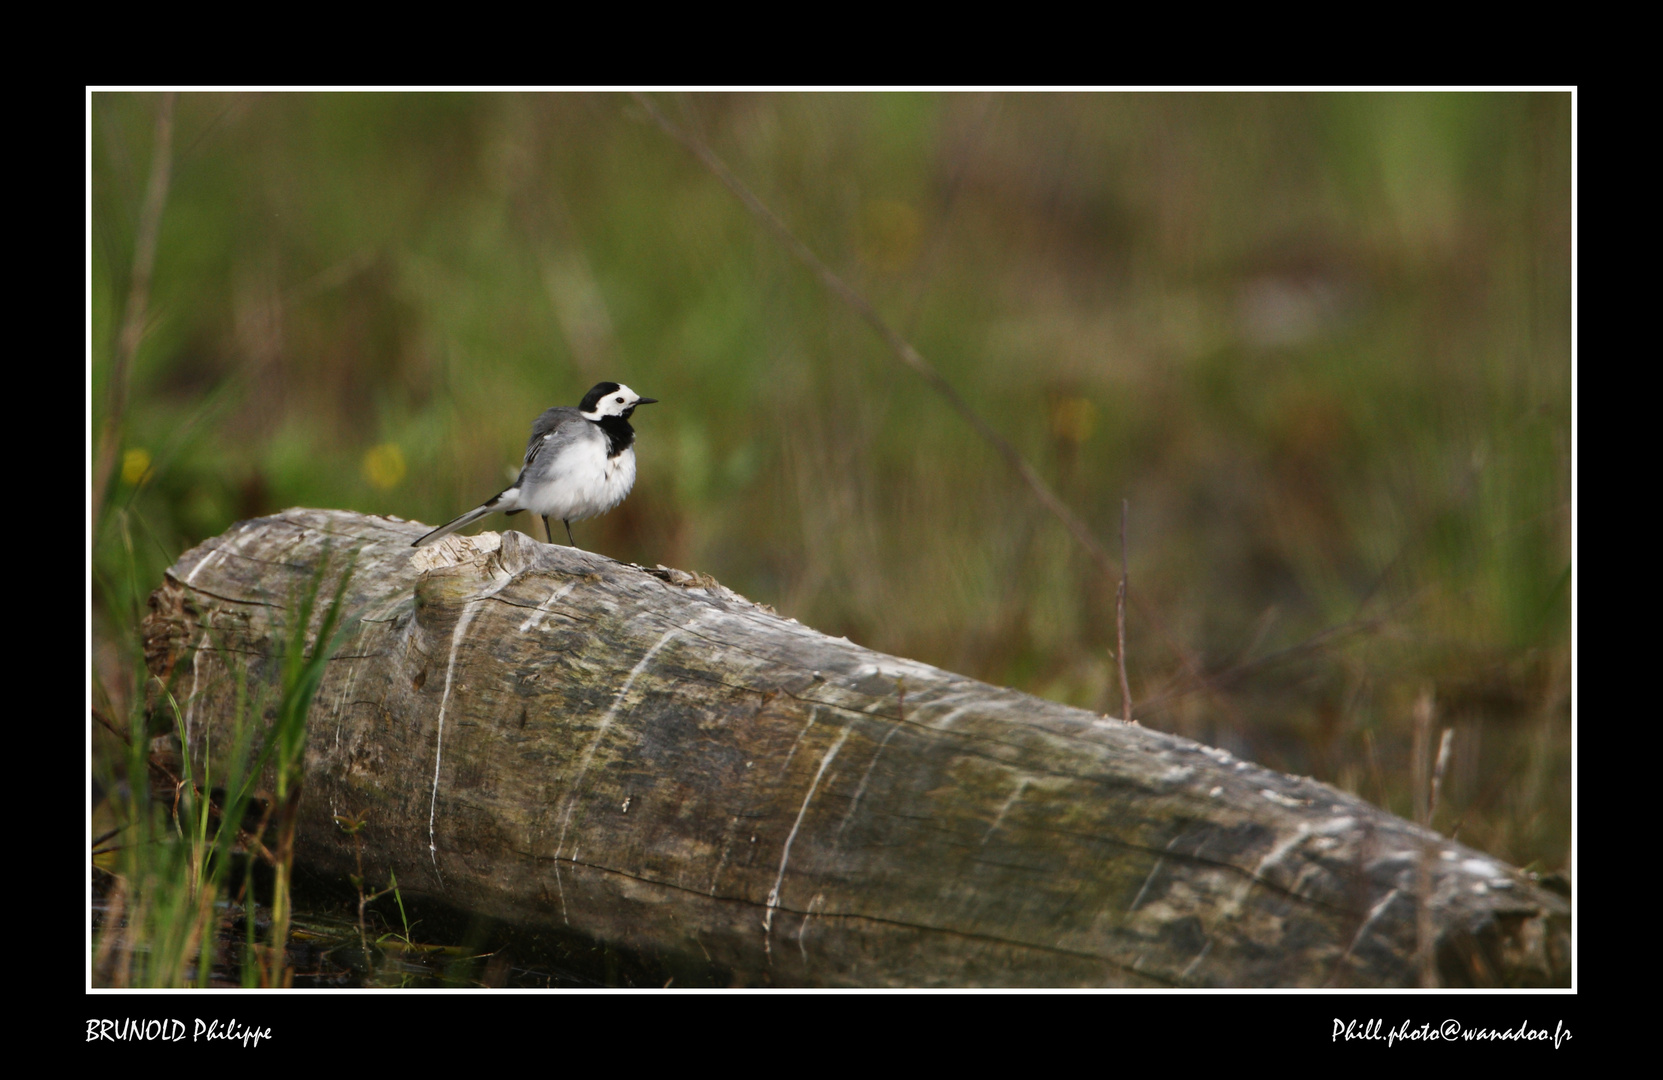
(593, 397)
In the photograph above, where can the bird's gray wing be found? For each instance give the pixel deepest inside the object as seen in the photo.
(561, 416)
(555, 431)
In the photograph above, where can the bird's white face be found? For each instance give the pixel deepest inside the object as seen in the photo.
(611, 400)
(618, 403)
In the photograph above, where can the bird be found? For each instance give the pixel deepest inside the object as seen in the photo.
(579, 463)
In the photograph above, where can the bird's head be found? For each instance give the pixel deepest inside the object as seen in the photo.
(611, 399)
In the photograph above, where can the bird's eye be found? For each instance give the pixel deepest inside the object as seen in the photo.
(619, 400)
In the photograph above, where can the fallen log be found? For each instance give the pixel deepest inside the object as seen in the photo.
(649, 761)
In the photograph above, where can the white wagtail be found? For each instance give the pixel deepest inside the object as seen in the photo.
(579, 463)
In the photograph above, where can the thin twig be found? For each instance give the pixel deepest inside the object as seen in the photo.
(1421, 752)
(1444, 742)
(1420, 756)
(911, 357)
(1219, 681)
(105, 836)
(138, 300)
(1120, 621)
(98, 715)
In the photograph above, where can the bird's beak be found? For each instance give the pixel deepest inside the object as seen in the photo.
(646, 401)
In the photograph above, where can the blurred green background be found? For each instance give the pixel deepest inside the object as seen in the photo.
(1320, 342)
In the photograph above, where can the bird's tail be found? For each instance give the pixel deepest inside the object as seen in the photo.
(504, 502)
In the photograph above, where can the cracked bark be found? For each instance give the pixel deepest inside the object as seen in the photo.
(650, 762)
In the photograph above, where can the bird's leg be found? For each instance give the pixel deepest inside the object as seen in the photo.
(568, 525)
(548, 529)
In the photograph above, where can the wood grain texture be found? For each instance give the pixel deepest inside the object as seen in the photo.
(649, 760)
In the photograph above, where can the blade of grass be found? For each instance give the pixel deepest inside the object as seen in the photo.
(302, 675)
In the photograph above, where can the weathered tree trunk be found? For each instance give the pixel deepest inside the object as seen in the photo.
(645, 758)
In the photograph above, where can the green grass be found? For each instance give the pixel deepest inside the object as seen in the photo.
(1321, 342)
(174, 833)
(164, 858)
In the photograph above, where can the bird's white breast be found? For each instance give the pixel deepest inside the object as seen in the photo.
(582, 482)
